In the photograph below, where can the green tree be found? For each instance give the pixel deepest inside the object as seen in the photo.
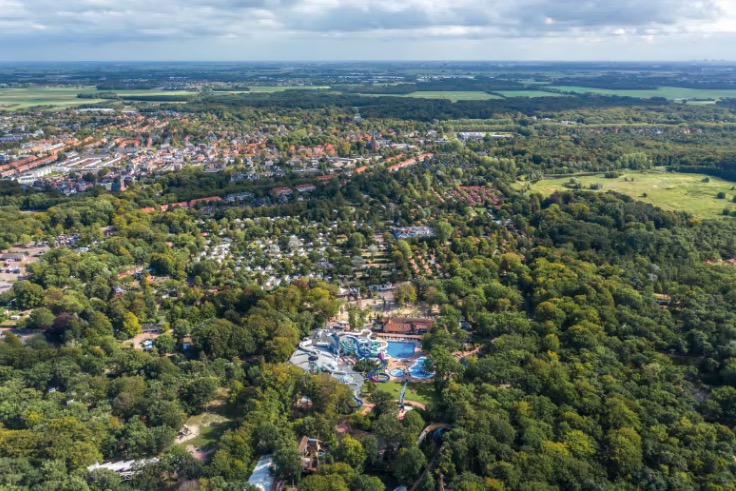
(165, 343)
(323, 483)
(351, 452)
(196, 394)
(131, 327)
(408, 464)
(368, 483)
(623, 451)
(287, 464)
(405, 293)
(40, 319)
(27, 295)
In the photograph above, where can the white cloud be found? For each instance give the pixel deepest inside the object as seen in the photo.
(41, 28)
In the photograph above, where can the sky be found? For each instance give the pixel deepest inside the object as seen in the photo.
(234, 30)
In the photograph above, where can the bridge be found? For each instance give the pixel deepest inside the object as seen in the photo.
(430, 429)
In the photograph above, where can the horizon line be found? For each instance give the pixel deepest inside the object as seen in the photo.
(704, 60)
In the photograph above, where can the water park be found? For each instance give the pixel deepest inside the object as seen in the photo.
(337, 353)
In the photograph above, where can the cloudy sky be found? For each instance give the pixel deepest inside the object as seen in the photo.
(50, 30)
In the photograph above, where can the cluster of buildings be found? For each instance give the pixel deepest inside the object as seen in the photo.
(418, 232)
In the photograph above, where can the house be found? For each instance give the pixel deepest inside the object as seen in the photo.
(470, 135)
(305, 188)
(186, 343)
(150, 328)
(404, 325)
(309, 449)
(244, 196)
(281, 192)
(374, 146)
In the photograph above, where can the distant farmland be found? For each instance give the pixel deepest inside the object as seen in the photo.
(453, 96)
(671, 93)
(24, 98)
(529, 93)
(271, 89)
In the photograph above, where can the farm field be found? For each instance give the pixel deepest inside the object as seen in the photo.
(454, 96)
(669, 191)
(43, 96)
(529, 93)
(666, 92)
(22, 98)
(154, 92)
(270, 90)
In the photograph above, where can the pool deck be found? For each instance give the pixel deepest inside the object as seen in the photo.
(405, 363)
(397, 337)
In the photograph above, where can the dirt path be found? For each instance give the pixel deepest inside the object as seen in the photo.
(198, 454)
(367, 408)
(459, 355)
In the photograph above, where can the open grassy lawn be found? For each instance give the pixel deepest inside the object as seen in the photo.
(454, 96)
(529, 93)
(667, 190)
(23, 98)
(419, 392)
(666, 92)
(210, 426)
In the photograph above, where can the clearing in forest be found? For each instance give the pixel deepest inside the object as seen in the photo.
(692, 193)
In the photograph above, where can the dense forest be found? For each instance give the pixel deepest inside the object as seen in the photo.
(601, 329)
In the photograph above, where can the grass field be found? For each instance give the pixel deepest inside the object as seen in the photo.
(423, 393)
(669, 191)
(528, 93)
(453, 96)
(211, 427)
(666, 92)
(12, 99)
(270, 90)
(43, 96)
(154, 92)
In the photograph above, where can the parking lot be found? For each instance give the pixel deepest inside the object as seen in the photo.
(14, 263)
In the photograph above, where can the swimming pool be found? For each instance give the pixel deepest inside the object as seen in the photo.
(399, 349)
(419, 369)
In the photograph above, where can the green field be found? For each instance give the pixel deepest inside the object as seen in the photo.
(669, 191)
(270, 90)
(528, 93)
(210, 429)
(43, 96)
(419, 392)
(154, 92)
(23, 98)
(454, 96)
(666, 92)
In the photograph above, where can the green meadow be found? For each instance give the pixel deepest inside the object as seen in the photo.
(691, 193)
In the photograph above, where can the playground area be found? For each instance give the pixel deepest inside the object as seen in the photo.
(337, 352)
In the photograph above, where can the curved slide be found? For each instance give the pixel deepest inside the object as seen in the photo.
(358, 402)
(365, 349)
(379, 374)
